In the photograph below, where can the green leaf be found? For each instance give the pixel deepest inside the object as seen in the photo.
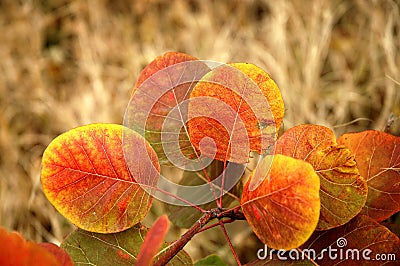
(186, 216)
(121, 248)
(211, 260)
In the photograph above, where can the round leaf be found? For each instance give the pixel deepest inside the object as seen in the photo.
(343, 190)
(85, 176)
(157, 108)
(283, 210)
(239, 107)
(378, 158)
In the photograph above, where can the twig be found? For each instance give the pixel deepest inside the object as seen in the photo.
(182, 241)
(229, 242)
(233, 214)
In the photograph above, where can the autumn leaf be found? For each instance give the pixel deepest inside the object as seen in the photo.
(362, 241)
(153, 241)
(378, 159)
(160, 63)
(60, 254)
(14, 250)
(121, 248)
(158, 108)
(283, 210)
(85, 176)
(343, 190)
(239, 108)
(268, 88)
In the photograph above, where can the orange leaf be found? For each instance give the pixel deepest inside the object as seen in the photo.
(239, 107)
(378, 158)
(157, 109)
(85, 176)
(14, 250)
(268, 88)
(60, 254)
(343, 191)
(283, 210)
(153, 241)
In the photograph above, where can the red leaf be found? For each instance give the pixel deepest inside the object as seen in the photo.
(159, 63)
(14, 250)
(361, 238)
(283, 210)
(60, 254)
(378, 158)
(85, 176)
(343, 191)
(158, 109)
(153, 241)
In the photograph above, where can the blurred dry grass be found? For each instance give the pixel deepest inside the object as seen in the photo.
(69, 63)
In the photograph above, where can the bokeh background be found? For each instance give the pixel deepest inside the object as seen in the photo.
(70, 63)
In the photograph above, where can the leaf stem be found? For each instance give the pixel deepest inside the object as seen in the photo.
(229, 242)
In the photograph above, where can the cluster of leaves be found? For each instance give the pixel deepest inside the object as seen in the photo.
(306, 192)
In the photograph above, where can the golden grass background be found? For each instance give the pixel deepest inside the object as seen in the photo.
(70, 63)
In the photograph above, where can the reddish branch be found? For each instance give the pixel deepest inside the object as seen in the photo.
(229, 242)
(233, 214)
